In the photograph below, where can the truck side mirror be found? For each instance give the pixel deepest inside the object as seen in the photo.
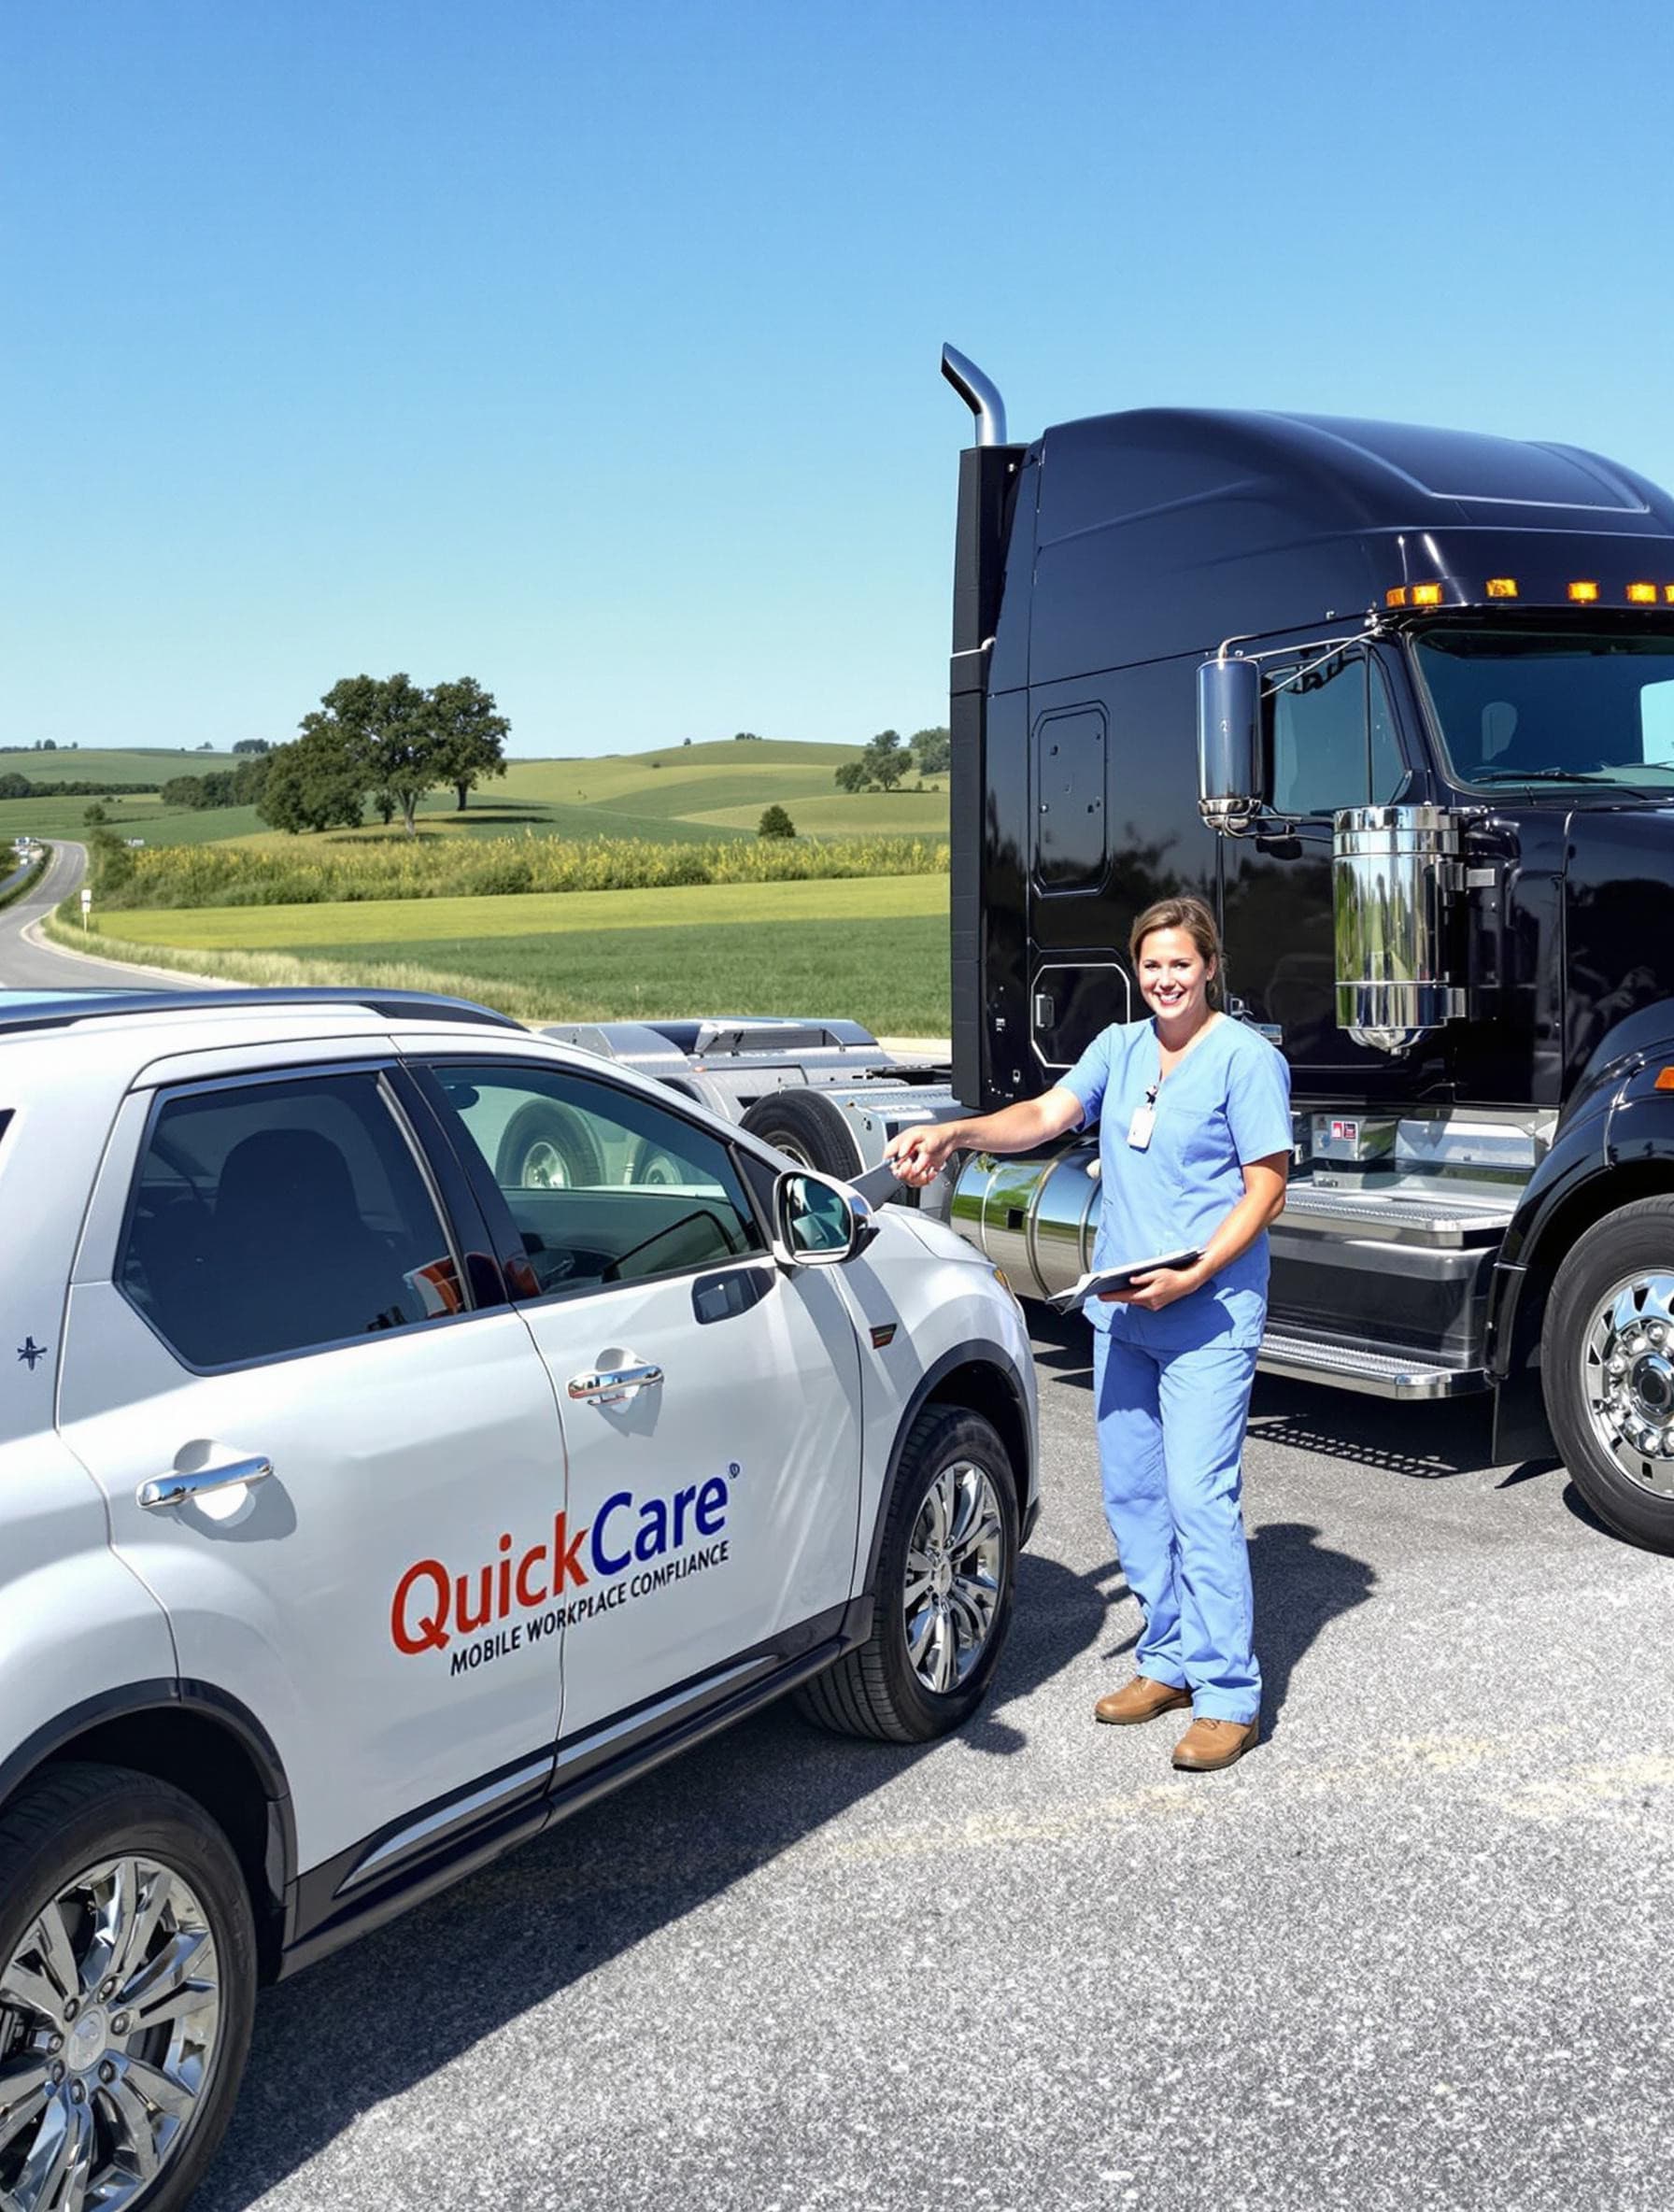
(1231, 771)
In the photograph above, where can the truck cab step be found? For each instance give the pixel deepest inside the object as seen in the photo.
(1406, 1374)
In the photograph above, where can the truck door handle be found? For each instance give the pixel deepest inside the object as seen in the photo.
(609, 1386)
(177, 1490)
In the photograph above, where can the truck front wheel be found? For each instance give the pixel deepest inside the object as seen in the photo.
(1607, 1367)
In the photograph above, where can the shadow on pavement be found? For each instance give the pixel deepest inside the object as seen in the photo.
(388, 2011)
(1426, 1440)
(1301, 1585)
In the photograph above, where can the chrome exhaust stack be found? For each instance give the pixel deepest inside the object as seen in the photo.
(988, 480)
(979, 393)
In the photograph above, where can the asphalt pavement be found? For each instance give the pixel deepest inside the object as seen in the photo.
(1405, 1954)
(29, 962)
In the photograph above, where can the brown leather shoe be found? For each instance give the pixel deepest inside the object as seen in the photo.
(1209, 1744)
(1141, 1699)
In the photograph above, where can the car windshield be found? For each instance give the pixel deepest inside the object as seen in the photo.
(1552, 706)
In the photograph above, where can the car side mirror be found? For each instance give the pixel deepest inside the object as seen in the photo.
(1232, 764)
(818, 1223)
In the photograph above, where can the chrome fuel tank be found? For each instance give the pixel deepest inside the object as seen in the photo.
(1036, 1218)
(1391, 866)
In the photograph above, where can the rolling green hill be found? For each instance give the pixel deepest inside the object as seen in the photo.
(669, 795)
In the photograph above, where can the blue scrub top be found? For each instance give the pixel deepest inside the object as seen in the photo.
(1227, 1103)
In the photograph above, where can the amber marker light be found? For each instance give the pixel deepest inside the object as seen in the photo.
(1426, 595)
(1587, 593)
(1642, 595)
(1502, 586)
(1665, 1081)
(1668, 593)
(1397, 596)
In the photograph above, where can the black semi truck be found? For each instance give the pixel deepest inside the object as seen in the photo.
(1399, 704)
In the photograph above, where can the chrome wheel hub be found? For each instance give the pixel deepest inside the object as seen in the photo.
(543, 1167)
(955, 1560)
(109, 2017)
(1628, 1378)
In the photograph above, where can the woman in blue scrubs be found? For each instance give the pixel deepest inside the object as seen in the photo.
(1193, 1145)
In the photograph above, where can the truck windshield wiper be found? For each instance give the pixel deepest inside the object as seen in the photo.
(1539, 775)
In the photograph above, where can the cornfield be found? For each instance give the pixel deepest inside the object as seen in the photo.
(238, 875)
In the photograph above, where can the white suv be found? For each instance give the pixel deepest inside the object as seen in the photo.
(411, 1429)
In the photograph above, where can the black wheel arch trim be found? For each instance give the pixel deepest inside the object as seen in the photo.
(998, 1363)
(166, 1693)
(1625, 1147)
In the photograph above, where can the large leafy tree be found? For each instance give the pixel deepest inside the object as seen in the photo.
(470, 734)
(932, 749)
(386, 737)
(395, 728)
(885, 759)
(314, 783)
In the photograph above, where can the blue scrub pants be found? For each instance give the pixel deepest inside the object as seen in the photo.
(1170, 1432)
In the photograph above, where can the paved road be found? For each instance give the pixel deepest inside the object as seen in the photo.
(1407, 1954)
(30, 963)
(32, 966)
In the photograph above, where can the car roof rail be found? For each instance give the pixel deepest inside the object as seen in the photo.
(58, 1010)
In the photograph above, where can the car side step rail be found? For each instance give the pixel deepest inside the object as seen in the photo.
(1381, 1374)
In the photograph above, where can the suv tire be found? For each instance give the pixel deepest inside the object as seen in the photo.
(941, 1599)
(61, 1913)
(1621, 1269)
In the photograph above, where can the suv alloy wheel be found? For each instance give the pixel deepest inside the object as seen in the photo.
(127, 1988)
(943, 1595)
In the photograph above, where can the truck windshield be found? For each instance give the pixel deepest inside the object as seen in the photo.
(1552, 706)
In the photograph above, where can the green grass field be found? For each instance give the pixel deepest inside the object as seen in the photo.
(137, 764)
(133, 818)
(874, 949)
(669, 795)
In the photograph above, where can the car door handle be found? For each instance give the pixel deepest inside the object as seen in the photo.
(178, 1490)
(608, 1385)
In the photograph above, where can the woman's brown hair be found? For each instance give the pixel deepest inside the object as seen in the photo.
(1195, 919)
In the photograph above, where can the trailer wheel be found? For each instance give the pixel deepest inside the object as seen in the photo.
(810, 1129)
(1607, 1366)
(548, 1147)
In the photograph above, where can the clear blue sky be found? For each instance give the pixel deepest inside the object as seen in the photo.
(591, 350)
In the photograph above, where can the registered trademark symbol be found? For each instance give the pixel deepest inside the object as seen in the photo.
(734, 1468)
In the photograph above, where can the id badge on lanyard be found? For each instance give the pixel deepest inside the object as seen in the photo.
(1144, 1120)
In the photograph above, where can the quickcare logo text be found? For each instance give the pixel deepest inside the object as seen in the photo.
(633, 1548)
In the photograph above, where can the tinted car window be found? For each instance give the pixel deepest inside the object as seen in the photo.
(604, 1186)
(269, 1217)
